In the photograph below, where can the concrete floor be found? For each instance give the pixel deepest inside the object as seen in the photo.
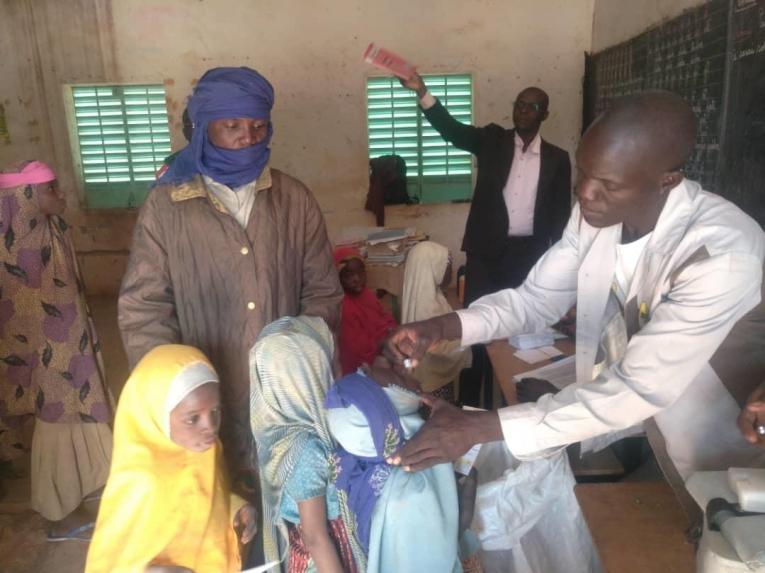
(23, 545)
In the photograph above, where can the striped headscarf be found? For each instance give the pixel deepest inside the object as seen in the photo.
(290, 374)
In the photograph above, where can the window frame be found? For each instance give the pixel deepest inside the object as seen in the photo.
(430, 189)
(114, 195)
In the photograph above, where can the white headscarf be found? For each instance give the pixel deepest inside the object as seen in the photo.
(423, 299)
(425, 268)
(186, 381)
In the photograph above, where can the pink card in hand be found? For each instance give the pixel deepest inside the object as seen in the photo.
(388, 61)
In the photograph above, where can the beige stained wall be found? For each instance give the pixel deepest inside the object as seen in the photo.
(311, 52)
(615, 21)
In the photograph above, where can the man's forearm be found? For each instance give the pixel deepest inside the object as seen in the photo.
(448, 326)
(485, 427)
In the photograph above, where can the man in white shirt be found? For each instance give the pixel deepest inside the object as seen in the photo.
(520, 205)
(671, 336)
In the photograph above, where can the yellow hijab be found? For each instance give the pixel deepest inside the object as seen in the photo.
(162, 504)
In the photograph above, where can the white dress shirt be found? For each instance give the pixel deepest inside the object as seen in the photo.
(520, 191)
(238, 202)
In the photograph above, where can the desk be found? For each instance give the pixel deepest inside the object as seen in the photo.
(506, 366)
(593, 465)
(387, 278)
(637, 527)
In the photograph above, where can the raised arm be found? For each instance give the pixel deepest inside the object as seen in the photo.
(467, 137)
(146, 306)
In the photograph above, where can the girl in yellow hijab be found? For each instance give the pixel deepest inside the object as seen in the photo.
(167, 504)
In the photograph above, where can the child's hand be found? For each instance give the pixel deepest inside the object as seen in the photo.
(246, 523)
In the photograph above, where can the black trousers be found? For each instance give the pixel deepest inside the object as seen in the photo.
(484, 276)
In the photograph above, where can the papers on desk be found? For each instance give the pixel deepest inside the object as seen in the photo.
(529, 341)
(387, 253)
(388, 235)
(534, 340)
(560, 373)
(534, 355)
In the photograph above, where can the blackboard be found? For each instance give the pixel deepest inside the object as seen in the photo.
(714, 56)
(743, 173)
(685, 55)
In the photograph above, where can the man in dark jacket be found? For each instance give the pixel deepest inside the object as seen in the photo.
(521, 201)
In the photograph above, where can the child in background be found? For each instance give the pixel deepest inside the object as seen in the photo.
(405, 522)
(166, 506)
(290, 374)
(428, 271)
(365, 323)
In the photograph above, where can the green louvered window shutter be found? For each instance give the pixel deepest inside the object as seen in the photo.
(437, 171)
(123, 138)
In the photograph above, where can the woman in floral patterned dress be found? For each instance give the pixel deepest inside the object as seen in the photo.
(50, 366)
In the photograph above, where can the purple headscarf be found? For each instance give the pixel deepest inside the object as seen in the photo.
(225, 93)
(362, 478)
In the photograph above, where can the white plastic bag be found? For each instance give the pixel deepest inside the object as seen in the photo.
(527, 517)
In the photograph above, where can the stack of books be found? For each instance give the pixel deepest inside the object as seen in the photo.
(381, 246)
(388, 247)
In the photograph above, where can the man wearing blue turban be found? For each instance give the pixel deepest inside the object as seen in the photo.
(225, 245)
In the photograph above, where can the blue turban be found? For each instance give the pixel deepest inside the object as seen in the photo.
(225, 93)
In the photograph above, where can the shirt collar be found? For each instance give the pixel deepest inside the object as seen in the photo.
(534, 146)
(223, 188)
(196, 187)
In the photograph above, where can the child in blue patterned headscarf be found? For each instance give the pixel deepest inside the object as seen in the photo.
(303, 520)
(406, 522)
(342, 505)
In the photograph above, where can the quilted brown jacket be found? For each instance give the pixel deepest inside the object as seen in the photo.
(196, 277)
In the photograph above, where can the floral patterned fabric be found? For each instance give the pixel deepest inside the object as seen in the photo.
(291, 371)
(361, 478)
(50, 365)
(300, 560)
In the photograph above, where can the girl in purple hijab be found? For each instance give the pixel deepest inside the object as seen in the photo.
(406, 522)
